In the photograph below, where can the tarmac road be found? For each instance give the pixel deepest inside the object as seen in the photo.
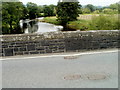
(98, 70)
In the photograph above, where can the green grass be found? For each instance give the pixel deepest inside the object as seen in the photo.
(78, 25)
(52, 20)
(101, 22)
(108, 22)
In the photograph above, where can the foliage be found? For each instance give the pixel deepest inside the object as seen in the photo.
(12, 12)
(40, 9)
(114, 6)
(25, 13)
(86, 11)
(49, 10)
(35, 11)
(109, 11)
(90, 7)
(103, 22)
(119, 7)
(96, 12)
(80, 11)
(32, 10)
(67, 11)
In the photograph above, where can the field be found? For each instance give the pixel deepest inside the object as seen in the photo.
(90, 22)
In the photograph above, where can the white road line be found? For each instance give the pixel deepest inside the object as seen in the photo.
(78, 54)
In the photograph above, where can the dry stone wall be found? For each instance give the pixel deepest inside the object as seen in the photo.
(57, 42)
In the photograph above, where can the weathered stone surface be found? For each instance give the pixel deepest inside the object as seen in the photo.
(48, 51)
(56, 42)
(30, 47)
(34, 52)
(8, 52)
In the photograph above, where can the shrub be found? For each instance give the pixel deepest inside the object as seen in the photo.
(104, 22)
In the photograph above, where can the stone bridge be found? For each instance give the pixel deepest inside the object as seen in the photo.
(58, 42)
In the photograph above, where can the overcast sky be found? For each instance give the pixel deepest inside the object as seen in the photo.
(82, 2)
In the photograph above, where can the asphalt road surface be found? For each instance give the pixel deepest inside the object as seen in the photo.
(98, 70)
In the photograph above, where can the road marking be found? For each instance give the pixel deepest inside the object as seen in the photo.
(78, 54)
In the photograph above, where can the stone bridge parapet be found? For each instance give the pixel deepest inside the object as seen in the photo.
(58, 42)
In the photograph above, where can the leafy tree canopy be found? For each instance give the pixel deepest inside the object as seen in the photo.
(67, 11)
(90, 7)
(49, 10)
(32, 10)
(12, 12)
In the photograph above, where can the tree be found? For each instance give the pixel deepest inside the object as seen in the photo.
(109, 11)
(90, 7)
(119, 7)
(86, 11)
(52, 7)
(49, 10)
(0, 17)
(114, 6)
(67, 11)
(32, 9)
(25, 13)
(12, 12)
(96, 12)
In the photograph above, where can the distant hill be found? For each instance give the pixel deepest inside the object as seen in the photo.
(83, 6)
(99, 6)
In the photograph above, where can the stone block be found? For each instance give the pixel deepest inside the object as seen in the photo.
(45, 43)
(19, 53)
(30, 47)
(34, 52)
(8, 52)
(40, 48)
(103, 45)
(26, 52)
(4, 46)
(61, 47)
(16, 49)
(22, 49)
(41, 52)
(48, 51)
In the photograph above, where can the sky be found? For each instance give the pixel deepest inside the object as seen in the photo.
(82, 2)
